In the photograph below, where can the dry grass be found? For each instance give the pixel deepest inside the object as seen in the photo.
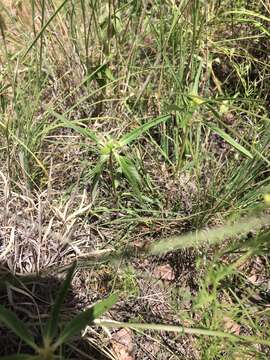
(196, 63)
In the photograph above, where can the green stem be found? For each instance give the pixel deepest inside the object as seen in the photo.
(182, 330)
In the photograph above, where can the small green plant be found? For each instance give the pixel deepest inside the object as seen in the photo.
(112, 151)
(52, 338)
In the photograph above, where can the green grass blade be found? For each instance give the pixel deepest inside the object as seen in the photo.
(183, 330)
(103, 306)
(230, 140)
(195, 88)
(136, 133)
(51, 326)
(17, 326)
(39, 35)
(95, 173)
(78, 128)
(203, 237)
(76, 325)
(249, 13)
(39, 163)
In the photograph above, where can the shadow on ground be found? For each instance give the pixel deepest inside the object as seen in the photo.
(31, 298)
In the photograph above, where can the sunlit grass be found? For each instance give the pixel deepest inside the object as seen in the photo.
(150, 121)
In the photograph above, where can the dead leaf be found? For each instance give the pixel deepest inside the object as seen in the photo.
(164, 272)
(231, 326)
(253, 279)
(122, 344)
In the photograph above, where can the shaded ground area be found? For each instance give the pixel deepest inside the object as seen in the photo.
(31, 297)
(147, 284)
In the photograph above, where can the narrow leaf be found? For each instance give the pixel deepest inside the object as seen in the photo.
(79, 128)
(195, 88)
(44, 28)
(230, 140)
(17, 326)
(76, 325)
(52, 323)
(183, 330)
(136, 133)
(96, 172)
(103, 306)
(249, 13)
(25, 147)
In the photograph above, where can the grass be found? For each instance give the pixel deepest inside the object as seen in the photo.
(135, 135)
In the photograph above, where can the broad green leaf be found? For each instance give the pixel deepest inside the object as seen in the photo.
(136, 133)
(104, 305)
(129, 170)
(79, 128)
(8, 318)
(76, 325)
(52, 323)
(230, 140)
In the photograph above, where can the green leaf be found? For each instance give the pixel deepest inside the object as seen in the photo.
(129, 170)
(52, 323)
(96, 172)
(109, 74)
(111, 146)
(17, 326)
(197, 100)
(230, 140)
(249, 13)
(184, 330)
(195, 87)
(3, 126)
(103, 306)
(136, 133)
(76, 325)
(78, 127)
